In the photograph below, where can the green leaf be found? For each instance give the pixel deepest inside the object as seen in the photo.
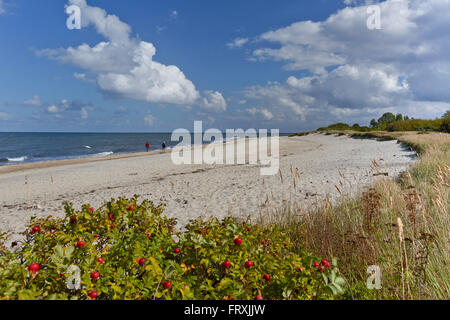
(334, 262)
(333, 289)
(325, 278)
(340, 281)
(339, 288)
(333, 276)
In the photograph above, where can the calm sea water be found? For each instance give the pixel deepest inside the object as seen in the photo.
(35, 147)
(16, 148)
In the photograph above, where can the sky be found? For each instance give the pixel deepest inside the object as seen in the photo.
(155, 66)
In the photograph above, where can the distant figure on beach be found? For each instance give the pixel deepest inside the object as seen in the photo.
(147, 145)
(164, 146)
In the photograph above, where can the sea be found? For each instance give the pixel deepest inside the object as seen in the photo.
(19, 148)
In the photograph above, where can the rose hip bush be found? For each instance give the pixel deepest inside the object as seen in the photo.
(127, 250)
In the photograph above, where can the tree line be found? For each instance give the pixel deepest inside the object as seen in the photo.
(397, 122)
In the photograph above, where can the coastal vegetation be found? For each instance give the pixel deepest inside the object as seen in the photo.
(126, 250)
(402, 226)
(395, 123)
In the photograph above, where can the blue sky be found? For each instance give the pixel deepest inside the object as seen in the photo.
(152, 66)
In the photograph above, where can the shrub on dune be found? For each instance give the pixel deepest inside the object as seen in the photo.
(139, 255)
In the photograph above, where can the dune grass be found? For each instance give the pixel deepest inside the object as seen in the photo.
(401, 226)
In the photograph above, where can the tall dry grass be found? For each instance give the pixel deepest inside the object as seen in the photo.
(402, 226)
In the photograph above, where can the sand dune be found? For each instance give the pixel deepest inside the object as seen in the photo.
(318, 163)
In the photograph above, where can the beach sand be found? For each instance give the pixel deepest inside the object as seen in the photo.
(318, 164)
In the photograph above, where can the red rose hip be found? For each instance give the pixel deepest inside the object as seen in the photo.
(238, 241)
(325, 263)
(167, 285)
(266, 277)
(93, 294)
(81, 244)
(36, 229)
(33, 267)
(226, 264)
(100, 260)
(95, 275)
(248, 264)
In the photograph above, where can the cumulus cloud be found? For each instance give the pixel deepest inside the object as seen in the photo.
(214, 101)
(150, 120)
(34, 102)
(358, 73)
(237, 43)
(5, 116)
(53, 109)
(266, 114)
(84, 113)
(75, 109)
(123, 65)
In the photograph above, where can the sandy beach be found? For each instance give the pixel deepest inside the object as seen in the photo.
(311, 168)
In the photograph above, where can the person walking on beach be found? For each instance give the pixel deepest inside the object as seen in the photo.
(164, 146)
(147, 145)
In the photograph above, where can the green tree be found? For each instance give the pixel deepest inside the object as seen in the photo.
(399, 117)
(373, 123)
(446, 115)
(388, 117)
(445, 126)
(385, 119)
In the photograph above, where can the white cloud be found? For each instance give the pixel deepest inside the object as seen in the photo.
(214, 101)
(79, 76)
(357, 73)
(267, 115)
(35, 101)
(359, 2)
(53, 109)
(160, 29)
(150, 120)
(174, 14)
(237, 43)
(84, 113)
(2, 10)
(72, 109)
(5, 116)
(123, 65)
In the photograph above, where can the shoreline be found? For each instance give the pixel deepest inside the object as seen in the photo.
(11, 168)
(65, 162)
